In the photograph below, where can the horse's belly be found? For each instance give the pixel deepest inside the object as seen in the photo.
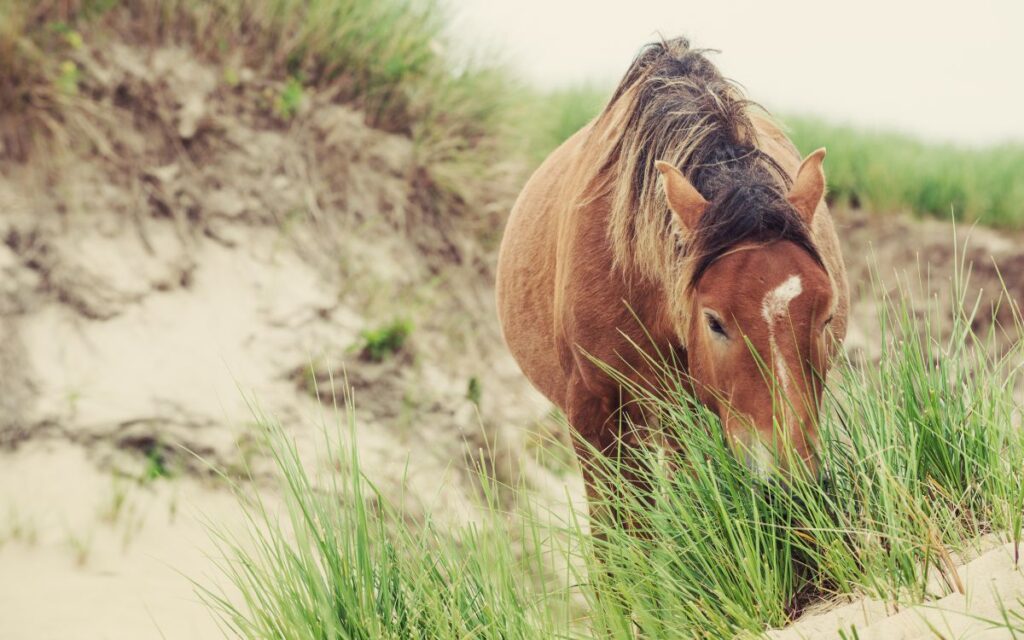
(526, 277)
(525, 290)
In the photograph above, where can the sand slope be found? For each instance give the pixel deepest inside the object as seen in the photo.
(993, 584)
(208, 252)
(209, 262)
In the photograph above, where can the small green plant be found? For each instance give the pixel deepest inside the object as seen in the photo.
(474, 390)
(74, 39)
(112, 509)
(18, 527)
(380, 343)
(80, 544)
(290, 99)
(156, 464)
(230, 77)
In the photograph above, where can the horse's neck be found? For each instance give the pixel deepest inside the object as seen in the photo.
(622, 284)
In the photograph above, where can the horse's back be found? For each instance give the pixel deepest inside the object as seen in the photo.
(527, 266)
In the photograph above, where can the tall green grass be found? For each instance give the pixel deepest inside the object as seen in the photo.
(884, 172)
(336, 559)
(921, 453)
(879, 171)
(556, 115)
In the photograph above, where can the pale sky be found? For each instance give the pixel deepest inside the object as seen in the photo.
(943, 70)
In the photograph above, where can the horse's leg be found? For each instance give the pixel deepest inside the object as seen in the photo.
(602, 455)
(589, 416)
(613, 459)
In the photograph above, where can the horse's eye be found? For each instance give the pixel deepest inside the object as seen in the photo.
(827, 324)
(715, 325)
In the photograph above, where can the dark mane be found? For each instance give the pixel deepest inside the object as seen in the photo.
(748, 209)
(674, 105)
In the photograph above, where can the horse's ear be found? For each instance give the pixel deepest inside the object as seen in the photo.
(809, 186)
(685, 201)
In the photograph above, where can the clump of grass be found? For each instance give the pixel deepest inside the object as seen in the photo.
(557, 114)
(80, 544)
(921, 453)
(882, 171)
(385, 341)
(156, 464)
(386, 57)
(290, 99)
(338, 560)
(875, 170)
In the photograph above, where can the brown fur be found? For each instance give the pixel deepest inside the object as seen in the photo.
(594, 260)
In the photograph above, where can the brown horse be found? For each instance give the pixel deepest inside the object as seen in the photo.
(729, 260)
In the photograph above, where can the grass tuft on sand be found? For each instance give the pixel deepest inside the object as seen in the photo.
(390, 59)
(921, 454)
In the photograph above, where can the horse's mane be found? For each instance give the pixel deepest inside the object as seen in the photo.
(674, 105)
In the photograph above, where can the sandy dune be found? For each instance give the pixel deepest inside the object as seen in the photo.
(143, 301)
(993, 584)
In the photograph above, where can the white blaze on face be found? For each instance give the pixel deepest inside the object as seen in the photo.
(775, 306)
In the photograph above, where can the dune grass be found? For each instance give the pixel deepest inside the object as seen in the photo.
(880, 171)
(556, 115)
(388, 58)
(338, 560)
(921, 454)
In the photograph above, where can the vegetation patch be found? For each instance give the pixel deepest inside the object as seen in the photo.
(881, 171)
(474, 390)
(875, 170)
(388, 58)
(920, 452)
(156, 465)
(385, 341)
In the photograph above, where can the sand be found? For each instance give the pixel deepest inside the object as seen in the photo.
(148, 302)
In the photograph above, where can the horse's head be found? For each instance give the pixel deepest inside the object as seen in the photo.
(760, 303)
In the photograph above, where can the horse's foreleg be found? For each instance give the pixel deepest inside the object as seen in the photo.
(590, 417)
(611, 457)
(607, 463)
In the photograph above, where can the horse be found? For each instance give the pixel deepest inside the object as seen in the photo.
(681, 217)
